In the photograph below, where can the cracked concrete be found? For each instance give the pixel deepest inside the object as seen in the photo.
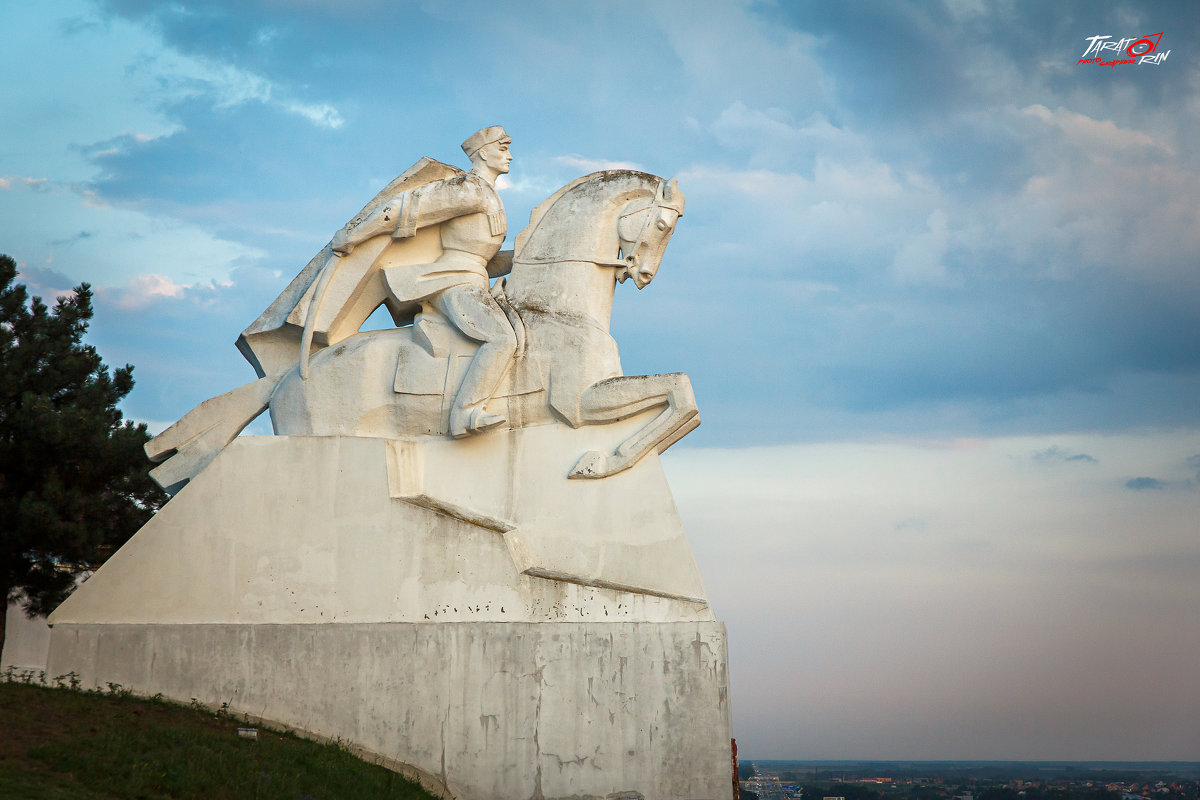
(579, 724)
(320, 601)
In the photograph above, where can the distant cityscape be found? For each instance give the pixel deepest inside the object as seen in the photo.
(959, 780)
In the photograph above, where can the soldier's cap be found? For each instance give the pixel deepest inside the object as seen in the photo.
(481, 138)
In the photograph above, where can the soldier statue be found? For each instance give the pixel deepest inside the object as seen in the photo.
(473, 225)
(425, 247)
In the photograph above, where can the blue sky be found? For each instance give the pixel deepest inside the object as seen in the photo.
(926, 257)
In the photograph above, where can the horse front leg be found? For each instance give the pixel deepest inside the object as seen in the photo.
(616, 399)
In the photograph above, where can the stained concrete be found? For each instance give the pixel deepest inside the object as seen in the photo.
(462, 615)
(487, 710)
(26, 641)
(304, 530)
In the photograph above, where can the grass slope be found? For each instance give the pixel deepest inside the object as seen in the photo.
(63, 743)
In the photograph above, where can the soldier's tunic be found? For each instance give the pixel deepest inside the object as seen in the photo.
(472, 228)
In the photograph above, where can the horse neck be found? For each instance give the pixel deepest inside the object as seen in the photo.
(579, 221)
(555, 268)
(571, 288)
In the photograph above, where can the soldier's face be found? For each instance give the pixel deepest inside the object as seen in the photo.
(497, 156)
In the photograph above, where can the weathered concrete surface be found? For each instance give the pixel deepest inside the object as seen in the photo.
(26, 641)
(306, 530)
(507, 635)
(493, 710)
(622, 532)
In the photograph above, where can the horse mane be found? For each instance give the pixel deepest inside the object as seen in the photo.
(566, 194)
(538, 212)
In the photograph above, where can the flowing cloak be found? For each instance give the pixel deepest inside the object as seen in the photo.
(272, 342)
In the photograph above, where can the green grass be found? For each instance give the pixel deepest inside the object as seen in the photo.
(64, 743)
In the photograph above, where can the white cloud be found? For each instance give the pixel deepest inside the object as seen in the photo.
(321, 115)
(854, 214)
(772, 139)
(920, 258)
(1097, 135)
(1100, 199)
(225, 84)
(143, 289)
(739, 126)
(593, 164)
(98, 79)
(535, 187)
(228, 86)
(5, 183)
(729, 53)
(121, 245)
(864, 181)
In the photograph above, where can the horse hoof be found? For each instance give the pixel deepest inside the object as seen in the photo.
(590, 465)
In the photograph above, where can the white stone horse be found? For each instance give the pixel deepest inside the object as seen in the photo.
(593, 233)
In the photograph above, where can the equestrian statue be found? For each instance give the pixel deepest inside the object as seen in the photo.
(467, 357)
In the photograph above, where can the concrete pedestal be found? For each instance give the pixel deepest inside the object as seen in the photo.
(503, 631)
(482, 710)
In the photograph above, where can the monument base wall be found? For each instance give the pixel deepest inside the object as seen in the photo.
(493, 710)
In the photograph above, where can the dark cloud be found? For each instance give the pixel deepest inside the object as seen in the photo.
(913, 63)
(76, 238)
(1138, 484)
(1056, 453)
(1193, 463)
(44, 282)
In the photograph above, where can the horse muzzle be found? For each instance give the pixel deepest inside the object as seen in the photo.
(642, 276)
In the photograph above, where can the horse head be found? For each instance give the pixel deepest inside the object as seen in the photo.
(598, 229)
(603, 216)
(644, 230)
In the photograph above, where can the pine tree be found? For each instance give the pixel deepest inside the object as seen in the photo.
(74, 481)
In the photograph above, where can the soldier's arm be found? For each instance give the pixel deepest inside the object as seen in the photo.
(381, 220)
(407, 212)
(440, 201)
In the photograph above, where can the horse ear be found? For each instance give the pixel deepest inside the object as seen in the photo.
(671, 191)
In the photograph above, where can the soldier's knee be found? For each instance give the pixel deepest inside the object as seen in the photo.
(493, 328)
(505, 340)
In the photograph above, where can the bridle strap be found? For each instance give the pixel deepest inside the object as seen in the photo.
(659, 203)
(630, 261)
